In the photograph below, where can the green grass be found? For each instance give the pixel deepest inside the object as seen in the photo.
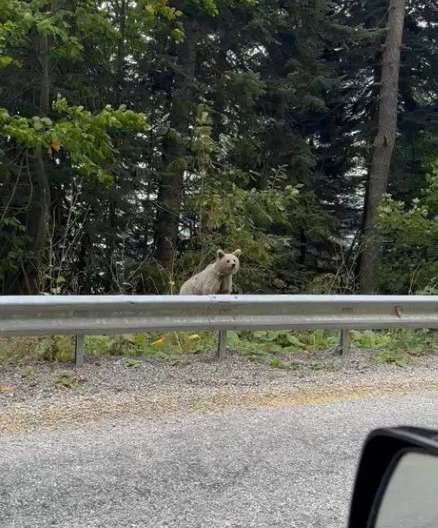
(129, 362)
(398, 358)
(66, 380)
(279, 349)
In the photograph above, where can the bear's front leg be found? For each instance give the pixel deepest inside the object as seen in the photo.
(226, 285)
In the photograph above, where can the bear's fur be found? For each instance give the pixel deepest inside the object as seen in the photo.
(217, 278)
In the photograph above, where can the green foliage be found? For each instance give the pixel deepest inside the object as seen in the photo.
(28, 374)
(66, 380)
(131, 363)
(22, 350)
(84, 136)
(370, 340)
(410, 240)
(262, 111)
(234, 213)
(168, 347)
(396, 357)
(318, 350)
(55, 348)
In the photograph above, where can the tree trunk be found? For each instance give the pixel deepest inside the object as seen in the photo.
(38, 222)
(384, 141)
(171, 185)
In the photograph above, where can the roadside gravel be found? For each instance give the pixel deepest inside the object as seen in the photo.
(107, 390)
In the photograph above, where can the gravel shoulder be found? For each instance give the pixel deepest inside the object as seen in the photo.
(106, 390)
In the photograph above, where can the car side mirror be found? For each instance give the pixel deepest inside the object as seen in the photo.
(410, 496)
(397, 480)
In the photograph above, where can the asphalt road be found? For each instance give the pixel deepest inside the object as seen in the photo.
(278, 467)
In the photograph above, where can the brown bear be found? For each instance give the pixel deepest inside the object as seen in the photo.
(216, 278)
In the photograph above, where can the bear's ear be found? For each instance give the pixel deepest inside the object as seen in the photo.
(220, 253)
(238, 252)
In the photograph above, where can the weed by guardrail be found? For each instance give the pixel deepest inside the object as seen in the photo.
(280, 349)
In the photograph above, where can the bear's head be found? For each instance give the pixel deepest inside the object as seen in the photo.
(227, 263)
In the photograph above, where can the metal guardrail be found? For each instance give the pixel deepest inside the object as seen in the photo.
(120, 314)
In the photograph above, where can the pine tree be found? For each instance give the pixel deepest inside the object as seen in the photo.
(384, 141)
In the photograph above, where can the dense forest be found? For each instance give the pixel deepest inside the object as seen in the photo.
(137, 137)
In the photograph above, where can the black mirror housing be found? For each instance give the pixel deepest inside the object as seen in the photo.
(382, 449)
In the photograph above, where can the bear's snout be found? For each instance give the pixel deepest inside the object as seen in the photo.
(233, 265)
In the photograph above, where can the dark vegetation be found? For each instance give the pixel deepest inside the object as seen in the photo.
(136, 137)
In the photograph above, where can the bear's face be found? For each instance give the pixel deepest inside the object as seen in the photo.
(228, 263)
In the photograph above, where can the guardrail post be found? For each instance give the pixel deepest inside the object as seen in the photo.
(79, 350)
(345, 341)
(221, 344)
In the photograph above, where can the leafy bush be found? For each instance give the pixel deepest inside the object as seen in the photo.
(410, 241)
